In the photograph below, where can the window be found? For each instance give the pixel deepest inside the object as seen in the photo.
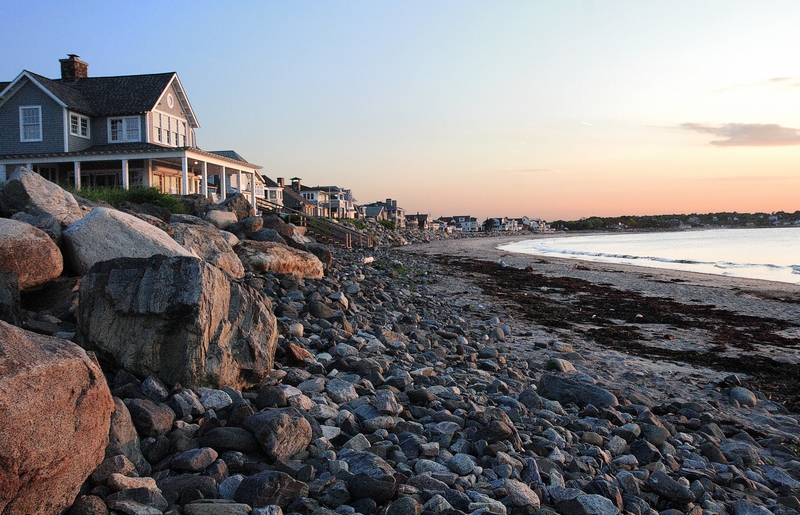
(78, 125)
(169, 130)
(30, 123)
(183, 135)
(123, 129)
(159, 134)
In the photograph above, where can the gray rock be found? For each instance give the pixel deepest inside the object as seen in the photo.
(207, 243)
(668, 488)
(521, 494)
(270, 487)
(281, 432)
(150, 418)
(405, 506)
(461, 464)
(341, 391)
(227, 489)
(744, 396)
(229, 438)
(106, 234)
(744, 507)
(563, 389)
(179, 319)
(194, 460)
(588, 504)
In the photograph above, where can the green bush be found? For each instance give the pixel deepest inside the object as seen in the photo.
(388, 224)
(358, 224)
(138, 195)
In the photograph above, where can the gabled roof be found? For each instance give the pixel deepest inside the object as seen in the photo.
(110, 96)
(373, 211)
(269, 182)
(289, 193)
(232, 154)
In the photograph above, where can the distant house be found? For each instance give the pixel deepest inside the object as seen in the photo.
(120, 131)
(330, 201)
(292, 198)
(418, 221)
(393, 212)
(376, 212)
(273, 191)
(460, 223)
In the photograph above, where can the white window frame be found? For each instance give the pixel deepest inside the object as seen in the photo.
(126, 138)
(22, 123)
(80, 118)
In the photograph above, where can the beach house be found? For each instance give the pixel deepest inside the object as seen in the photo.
(120, 131)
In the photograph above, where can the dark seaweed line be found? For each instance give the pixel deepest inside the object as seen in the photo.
(778, 380)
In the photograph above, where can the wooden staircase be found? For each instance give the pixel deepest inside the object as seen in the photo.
(323, 230)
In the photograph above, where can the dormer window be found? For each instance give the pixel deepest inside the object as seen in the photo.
(78, 125)
(121, 130)
(30, 123)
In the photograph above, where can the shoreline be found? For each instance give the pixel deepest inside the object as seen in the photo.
(679, 327)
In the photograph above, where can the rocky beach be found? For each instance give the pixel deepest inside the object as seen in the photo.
(240, 368)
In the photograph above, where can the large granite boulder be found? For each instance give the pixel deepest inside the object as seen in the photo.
(265, 256)
(108, 234)
(9, 298)
(208, 244)
(46, 205)
(55, 408)
(239, 205)
(177, 318)
(28, 253)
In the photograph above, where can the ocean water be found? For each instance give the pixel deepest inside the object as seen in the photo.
(771, 254)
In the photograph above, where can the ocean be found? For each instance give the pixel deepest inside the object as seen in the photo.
(771, 254)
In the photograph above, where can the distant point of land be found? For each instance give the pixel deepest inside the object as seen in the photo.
(671, 222)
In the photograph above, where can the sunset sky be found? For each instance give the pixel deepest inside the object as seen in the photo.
(557, 109)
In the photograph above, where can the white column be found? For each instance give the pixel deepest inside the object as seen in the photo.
(126, 178)
(239, 181)
(147, 178)
(29, 166)
(253, 190)
(77, 166)
(204, 180)
(185, 172)
(223, 190)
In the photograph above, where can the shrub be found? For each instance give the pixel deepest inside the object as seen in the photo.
(388, 224)
(138, 195)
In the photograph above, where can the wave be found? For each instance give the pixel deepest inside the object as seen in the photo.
(755, 270)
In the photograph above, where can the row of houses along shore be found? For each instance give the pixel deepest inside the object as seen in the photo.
(139, 131)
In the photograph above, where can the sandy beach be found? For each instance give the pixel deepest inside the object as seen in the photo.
(662, 329)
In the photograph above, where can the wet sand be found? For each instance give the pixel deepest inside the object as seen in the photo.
(709, 326)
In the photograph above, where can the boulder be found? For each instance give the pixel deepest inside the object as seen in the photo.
(564, 389)
(206, 242)
(247, 226)
(321, 251)
(239, 205)
(281, 432)
(268, 235)
(270, 487)
(28, 253)
(49, 205)
(179, 319)
(220, 218)
(56, 411)
(108, 234)
(263, 256)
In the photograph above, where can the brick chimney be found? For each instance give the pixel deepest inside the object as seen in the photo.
(281, 182)
(296, 184)
(73, 68)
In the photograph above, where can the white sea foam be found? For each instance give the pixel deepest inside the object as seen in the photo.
(769, 254)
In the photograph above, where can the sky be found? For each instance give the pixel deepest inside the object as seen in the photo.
(552, 109)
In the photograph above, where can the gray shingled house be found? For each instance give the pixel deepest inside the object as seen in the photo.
(133, 130)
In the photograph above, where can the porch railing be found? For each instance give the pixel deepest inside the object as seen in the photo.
(323, 229)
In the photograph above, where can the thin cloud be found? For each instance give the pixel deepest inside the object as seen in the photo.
(520, 171)
(773, 83)
(750, 178)
(748, 134)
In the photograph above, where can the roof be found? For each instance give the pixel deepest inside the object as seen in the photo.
(373, 210)
(105, 96)
(269, 182)
(289, 193)
(232, 154)
(111, 96)
(129, 149)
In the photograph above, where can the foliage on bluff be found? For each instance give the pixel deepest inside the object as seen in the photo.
(667, 222)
